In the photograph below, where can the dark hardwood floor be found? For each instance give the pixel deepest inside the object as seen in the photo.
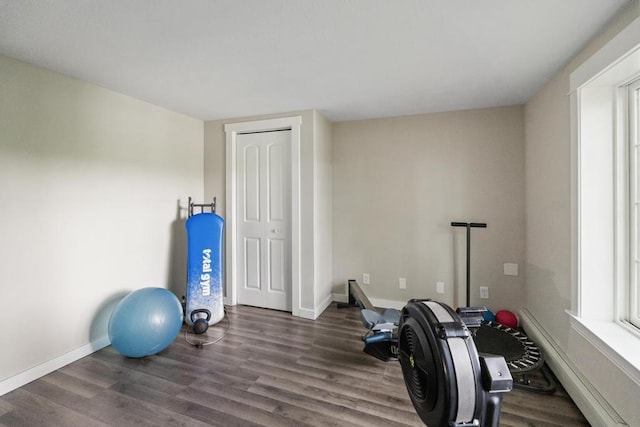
(271, 369)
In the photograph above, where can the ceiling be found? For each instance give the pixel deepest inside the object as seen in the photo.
(349, 59)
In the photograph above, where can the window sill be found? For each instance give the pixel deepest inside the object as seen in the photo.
(615, 341)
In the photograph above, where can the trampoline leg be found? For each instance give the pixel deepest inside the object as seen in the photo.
(523, 382)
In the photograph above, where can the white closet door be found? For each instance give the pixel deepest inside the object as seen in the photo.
(263, 219)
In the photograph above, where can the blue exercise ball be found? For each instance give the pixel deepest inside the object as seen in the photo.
(489, 316)
(145, 322)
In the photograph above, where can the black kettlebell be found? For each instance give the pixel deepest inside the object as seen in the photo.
(201, 324)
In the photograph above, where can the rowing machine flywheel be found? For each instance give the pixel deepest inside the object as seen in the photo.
(448, 383)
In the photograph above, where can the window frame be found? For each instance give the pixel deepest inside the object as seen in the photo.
(600, 211)
(630, 311)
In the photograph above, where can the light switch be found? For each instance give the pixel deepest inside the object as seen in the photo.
(510, 269)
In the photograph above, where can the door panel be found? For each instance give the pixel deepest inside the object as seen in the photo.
(276, 198)
(263, 223)
(251, 183)
(252, 260)
(277, 263)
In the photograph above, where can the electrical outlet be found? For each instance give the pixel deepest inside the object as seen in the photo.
(402, 282)
(484, 292)
(440, 287)
(365, 279)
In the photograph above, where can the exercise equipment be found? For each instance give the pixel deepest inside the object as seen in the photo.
(448, 382)
(507, 318)
(145, 322)
(381, 338)
(489, 316)
(204, 304)
(469, 226)
(519, 351)
(524, 358)
(522, 355)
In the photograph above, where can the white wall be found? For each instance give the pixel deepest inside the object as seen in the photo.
(548, 284)
(89, 188)
(398, 184)
(323, 210)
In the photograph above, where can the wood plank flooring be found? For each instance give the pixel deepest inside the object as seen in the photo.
(270, 369)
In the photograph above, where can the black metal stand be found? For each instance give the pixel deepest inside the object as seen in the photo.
(469, 226)
(211, 206)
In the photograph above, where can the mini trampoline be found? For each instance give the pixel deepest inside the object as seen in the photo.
(520, 353)
(524, 358)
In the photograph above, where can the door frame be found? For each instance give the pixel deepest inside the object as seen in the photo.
(232, 131)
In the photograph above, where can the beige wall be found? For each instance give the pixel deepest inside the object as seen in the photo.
(548, 200)
(398, 184)
(89, 188)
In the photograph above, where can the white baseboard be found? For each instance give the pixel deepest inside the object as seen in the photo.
(323, 305)
(45, 368)
(314, 313)
(307, 313)
(340, 297)
(593, 405)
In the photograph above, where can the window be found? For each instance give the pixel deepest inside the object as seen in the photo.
(608, 199)
(633, 121)
(605, 104)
